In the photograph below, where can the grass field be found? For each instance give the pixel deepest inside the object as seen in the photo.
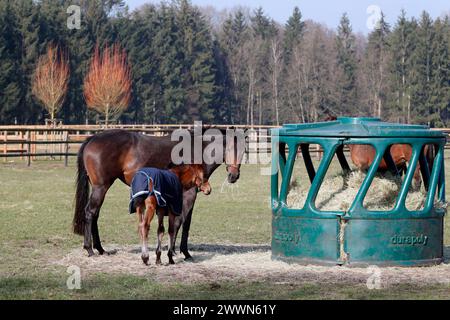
(35, 220)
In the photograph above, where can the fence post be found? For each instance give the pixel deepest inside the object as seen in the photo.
(66, 148)
(33, 147)
(21, 144)
(319, 153)
(28, 137)
(5, 146)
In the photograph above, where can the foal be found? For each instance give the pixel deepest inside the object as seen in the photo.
(154, 190)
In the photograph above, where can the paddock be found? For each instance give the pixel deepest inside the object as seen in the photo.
(230, 241)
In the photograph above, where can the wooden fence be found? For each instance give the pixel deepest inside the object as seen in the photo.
(62, 142)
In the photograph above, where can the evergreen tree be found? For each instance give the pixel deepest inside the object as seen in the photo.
(261, 24)
(235, 33)
(440, 74)
(246, 69)
(11, 92)
(137, 33)
(403, 42)
(198, 63)
(32, 39)
(168, 48)
(293, 33)
(377, 60)
(421, 100)
(346, 62)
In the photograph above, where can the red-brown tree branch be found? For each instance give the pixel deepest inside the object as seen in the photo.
(107, 86)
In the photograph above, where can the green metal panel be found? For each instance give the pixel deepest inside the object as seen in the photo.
(357, 236)
(394, 241)
(304, 239)
(357, 127)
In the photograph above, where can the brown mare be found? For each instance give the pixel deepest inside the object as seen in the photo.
(363, 155)
(118, 154)
(190, 176)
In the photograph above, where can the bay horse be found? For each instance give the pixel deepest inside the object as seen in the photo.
(363, 155)
(117, 155)
(189, 176)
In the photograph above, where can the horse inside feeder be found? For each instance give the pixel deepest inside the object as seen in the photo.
(356, 234)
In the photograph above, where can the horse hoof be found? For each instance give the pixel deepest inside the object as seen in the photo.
(145, 259)
(90, 252)
(188, 257)
(158, 262)
(171, 261)
(111, 252)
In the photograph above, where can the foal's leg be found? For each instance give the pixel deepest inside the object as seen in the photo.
(91, 214)
(160, 235)
(150, 208)
(140, 213)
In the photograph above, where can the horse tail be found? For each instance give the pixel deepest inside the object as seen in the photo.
(430, 154)
(82, 193)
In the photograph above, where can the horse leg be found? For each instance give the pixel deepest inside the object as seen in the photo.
(160, 236)
(170, 254)
(95, 233)
(417, 181)
(177, 224)
(150, 208)
(92, 211)
(96, 237)
(189, 198)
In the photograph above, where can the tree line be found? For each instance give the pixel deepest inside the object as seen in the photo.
(238, 67)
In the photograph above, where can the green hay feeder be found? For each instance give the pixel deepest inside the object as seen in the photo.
(358, 236)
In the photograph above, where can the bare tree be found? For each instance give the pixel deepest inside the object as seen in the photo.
(251, 61)
(276, 67)
(308, 89)
(51, 79)
(107, 87)
(237, 65)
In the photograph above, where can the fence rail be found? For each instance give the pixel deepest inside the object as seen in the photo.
(31, 142)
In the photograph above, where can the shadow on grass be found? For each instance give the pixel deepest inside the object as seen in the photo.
(218, 248)
(209, 250)
(446, 255)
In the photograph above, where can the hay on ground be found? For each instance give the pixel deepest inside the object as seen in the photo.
(221, 263)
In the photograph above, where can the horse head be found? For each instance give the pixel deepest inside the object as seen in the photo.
(229, 146)
(235, 146)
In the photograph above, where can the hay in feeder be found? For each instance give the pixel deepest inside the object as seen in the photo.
(338, 192)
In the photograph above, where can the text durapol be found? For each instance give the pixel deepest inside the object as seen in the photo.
(410, 240)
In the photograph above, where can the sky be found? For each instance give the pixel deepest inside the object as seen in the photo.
(362, 13)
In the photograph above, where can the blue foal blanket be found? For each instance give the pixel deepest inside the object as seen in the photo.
(166, 188)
